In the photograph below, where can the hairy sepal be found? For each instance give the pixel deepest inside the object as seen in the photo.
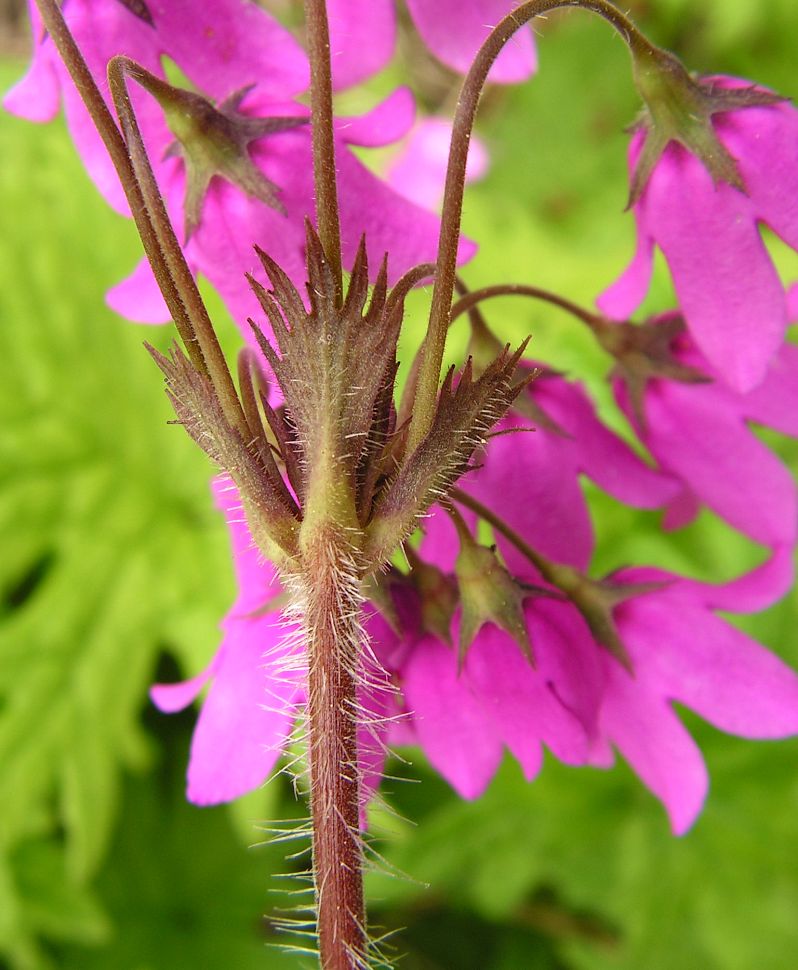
(335, 366)
(465, 413)
(197, 408)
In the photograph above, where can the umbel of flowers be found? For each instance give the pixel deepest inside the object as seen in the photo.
(464, 649)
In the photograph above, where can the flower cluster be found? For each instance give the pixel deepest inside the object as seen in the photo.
(471, 649)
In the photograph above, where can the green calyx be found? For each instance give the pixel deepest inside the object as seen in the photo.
(680, 108)
(213, 140)
(643, 352)
(488, 594)
(437, 595)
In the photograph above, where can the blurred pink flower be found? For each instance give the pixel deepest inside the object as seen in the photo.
(363, 36)
(223, 48)
(699, 434)
(725, 280)
(418, 171)
(258, 682)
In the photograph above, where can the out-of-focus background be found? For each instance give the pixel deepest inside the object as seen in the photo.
(115, 571)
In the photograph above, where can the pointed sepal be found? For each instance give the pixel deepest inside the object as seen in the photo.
(643, 352)
(213, 140)
(488, 594)
(680, 108)
(437, 595)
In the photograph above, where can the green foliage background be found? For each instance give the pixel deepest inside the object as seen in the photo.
(115, 571)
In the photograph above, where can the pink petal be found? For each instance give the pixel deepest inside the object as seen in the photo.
(655, 743)
(568, 659)
(36, 96)
(258, 583)
(774, 402)
(454, 30)
(523, 708)
(685, 653)
(419, 170)
(681, 511)
(138, 297)
(452, 727)
(362, 38)
(620, 300)
(386, 123)
(229, 44)
(693, 431)
(246, 717)
(599, 453)
(792, 303)
(390, 222)
(765, 143)
(757, 589)
(170, 698)
(727, 286)
(530, 476)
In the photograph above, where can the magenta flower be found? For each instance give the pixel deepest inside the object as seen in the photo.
(418, 171)
(262, 65)
(698, 432)
(363, 36)
(533, 477)
(725, 280)
(464, 719)
(681, 651)
(257, 678)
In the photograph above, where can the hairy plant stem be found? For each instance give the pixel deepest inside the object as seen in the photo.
(321, 116)
(332, 602)
(429, 372)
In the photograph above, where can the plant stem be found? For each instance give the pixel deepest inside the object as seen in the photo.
(473, 297)
(332, 607)
(429, 374)
(321, 116)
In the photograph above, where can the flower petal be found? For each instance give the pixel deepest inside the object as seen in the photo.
(531, 478)
(688, 654)
(246, 717)
(599, 453)
(655, 743)
(453, 728)
(694, 432)
(727, 286)
(362, 38)
(522, 707)
(386, 123)
(138, 298)
(419, 170)
(454, 30)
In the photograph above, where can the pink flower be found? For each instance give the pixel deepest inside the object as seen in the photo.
(259, 56)
(464, 719)
(699, 434)
(257, 680)
(725, 280)
(681, 651)
(363, 36)
(419, 170)
(532, 477)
